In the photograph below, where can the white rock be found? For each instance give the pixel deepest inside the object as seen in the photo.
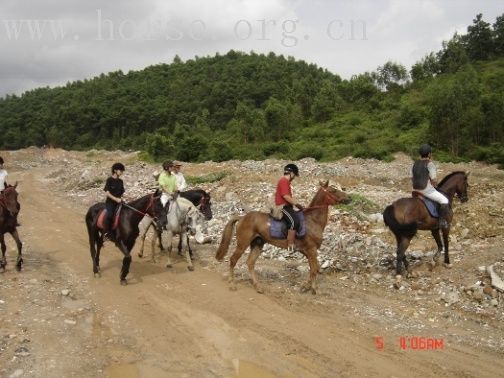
(17, 373)
(496, 280)
(65, 292)
(71, 322)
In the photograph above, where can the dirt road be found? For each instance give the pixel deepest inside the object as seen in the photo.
(57, 320)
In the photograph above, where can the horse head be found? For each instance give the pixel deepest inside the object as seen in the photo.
(9, 199)
(159, 211)
(462, 186)
(455, 184)
(205, 206)
(333, 194)
(194, 221)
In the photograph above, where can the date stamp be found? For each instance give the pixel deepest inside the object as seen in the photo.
(414, 343)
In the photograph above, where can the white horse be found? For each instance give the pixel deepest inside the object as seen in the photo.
(182, 218)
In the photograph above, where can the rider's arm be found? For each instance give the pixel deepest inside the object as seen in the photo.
(113, 198)
(432, 173)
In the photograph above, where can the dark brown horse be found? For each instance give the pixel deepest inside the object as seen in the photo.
(407, 215)
(127, 230)
(9, 209)
(253, 229)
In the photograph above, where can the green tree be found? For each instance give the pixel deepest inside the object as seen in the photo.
(479, 39)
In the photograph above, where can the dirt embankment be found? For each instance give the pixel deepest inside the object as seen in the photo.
(56, 320)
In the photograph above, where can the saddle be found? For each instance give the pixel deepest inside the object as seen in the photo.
(432, 207)
(278, 228)
(100, 222)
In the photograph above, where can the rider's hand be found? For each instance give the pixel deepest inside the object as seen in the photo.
(299, 206)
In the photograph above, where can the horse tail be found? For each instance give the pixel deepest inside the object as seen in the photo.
(409, 230)
(227, 234)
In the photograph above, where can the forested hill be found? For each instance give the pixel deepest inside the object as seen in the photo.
(253, 106)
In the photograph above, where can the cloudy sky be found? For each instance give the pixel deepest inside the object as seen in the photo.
(51, 42)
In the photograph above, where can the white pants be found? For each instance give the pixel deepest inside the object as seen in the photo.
(434, 195)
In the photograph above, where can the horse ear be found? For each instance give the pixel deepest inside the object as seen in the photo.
(324, 184)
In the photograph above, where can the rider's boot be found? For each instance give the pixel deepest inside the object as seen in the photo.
(444, 210)
(291, 239)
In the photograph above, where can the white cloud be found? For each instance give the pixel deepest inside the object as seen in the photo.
(154, 31)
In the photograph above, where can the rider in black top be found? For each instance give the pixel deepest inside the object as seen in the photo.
(114, 189)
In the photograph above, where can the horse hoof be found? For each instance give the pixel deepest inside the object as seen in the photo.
(190, 268)
(306, 288)
(168, 265)
(447, 265)
(124, 282)
(97, 274)
(18, 268)
(2, 269)
(313, 291)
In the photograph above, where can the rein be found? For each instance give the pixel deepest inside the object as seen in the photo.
(151, 203)
(325, 205)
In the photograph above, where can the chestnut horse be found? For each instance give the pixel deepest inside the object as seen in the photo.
(127, 229)
(253, 229)
(407, 215)
(9, 209)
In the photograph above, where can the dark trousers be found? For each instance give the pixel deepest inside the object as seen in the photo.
(291, 217)
(111, 208)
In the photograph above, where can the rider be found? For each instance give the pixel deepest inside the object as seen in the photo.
(114, 189)
(283, 196)
(181, 182)
(168, 182)
(3, 175)
(424, 176)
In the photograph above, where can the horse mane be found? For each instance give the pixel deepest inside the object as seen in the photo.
(447, 177)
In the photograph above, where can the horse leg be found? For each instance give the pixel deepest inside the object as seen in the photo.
(156, 237)
(184, 239)
(446, 232)
(255, 250)
(240, 248)
(3, 260)
(19, 245)
(402, 245)
(311, 285)
(170, 237)
(94, 247)
(126, 263)
(437, 238)
(142, 239)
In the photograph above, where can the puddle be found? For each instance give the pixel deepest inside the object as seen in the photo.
(247, 369)
(122, 371)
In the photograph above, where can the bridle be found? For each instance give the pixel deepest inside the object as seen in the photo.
(327, 196)
(149, 205)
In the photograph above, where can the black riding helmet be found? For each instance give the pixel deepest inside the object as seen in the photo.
(291, 168)
(118, 167)
(425, 150)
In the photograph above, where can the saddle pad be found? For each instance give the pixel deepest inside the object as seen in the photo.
(100, 222)
(432, 207)
(278, 228)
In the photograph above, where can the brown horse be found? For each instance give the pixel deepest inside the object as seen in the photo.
(407, 215)
(9, 209)
(253, 229)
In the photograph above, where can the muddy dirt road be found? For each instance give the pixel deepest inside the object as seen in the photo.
(57, 320)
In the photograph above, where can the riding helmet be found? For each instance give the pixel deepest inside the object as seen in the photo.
(118, 167)
(425, 150)
(167, 164)
(291, 168)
